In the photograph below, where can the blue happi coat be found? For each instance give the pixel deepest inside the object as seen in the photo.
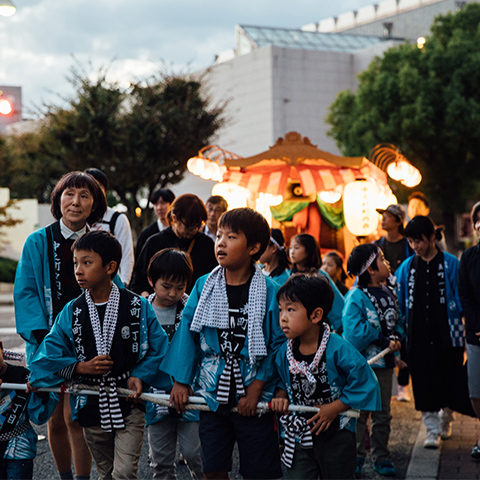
(57, 352)
(32, 292)
(405, 278)
(195, 358)
(38, 411)
(361, 325)
(350, 377)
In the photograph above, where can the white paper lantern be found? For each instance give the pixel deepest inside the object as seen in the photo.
(235, 195)
(359, 207)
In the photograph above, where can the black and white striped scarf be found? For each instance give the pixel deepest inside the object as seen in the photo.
(295, 426)
(212, 309)
(231, 368)
(109, 406)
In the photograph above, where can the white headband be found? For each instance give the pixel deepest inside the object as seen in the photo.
(276, 243)
(367, 263)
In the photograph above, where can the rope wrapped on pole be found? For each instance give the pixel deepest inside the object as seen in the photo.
(194, 403)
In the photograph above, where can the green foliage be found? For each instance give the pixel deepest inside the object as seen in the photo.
(427, 103)
(8, 267)
(141, 137)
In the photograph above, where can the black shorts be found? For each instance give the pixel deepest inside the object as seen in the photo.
(257, 439)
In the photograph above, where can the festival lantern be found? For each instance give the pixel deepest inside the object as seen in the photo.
(359, 207)
(235, 195)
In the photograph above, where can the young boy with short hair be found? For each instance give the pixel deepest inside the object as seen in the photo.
(372, 323)
(108, 338)
(169, 273)
(225, 347)
(318, 368)
(18, 439)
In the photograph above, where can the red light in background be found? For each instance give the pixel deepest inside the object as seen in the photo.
(5, 107)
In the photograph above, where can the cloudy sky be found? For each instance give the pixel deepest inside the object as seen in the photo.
(39, 43)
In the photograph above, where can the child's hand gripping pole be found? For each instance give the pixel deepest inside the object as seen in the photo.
(194, 403)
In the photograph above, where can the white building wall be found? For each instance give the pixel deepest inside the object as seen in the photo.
(246, 84)
(273, 90)
(305, 83)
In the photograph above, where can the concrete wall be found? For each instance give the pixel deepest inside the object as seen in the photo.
(305, 83)
(410, 18)
(246, 84)
(274, 90)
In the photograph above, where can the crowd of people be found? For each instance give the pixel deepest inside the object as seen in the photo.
(213, 303)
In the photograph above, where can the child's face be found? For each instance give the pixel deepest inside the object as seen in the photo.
(420, 247)
(231, 249)
(329, 266)
(297, 252)
(294, 320)
(383, 266)
(168, 292)
(76, 206)
(90, 272)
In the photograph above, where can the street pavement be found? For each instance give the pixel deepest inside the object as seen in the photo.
(412, 461)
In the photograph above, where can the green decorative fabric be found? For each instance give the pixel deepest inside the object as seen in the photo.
(332, 215)
(286, 210)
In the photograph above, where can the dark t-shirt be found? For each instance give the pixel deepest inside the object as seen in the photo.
(394, 252)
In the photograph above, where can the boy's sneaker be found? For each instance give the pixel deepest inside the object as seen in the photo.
(446, 432)
(385, 468)
(358, 470)
(476, 452)
(402, 394)
(432, 440)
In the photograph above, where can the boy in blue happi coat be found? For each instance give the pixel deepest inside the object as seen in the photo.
(225, 347)
(169, 272)
(18, 439)
(372, 323)
(109, 338)
(318, 368)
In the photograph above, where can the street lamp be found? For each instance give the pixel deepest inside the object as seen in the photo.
(7, 8)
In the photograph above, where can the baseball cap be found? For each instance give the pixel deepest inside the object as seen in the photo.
(396, 210)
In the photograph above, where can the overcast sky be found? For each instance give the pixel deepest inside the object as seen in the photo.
(38, 43)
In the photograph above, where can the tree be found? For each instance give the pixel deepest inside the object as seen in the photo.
(141, 137)
(427, 103)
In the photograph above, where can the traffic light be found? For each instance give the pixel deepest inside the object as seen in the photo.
(10, 106)
(5, 107)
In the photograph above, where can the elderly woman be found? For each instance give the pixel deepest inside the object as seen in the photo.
(468, 282)
(44, 283)
(187, 216)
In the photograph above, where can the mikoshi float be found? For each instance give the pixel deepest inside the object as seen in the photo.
(300, 188)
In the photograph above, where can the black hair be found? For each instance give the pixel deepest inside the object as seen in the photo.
(79, 180)
(170, 264)
(474, 214)
(103, 243)
(282, 257)
(99, 176)
(314, 257)
(312, 291)
(189, 209)
(164, 193)
(339, 263)
(420, 196)
(358, 256)
(218, 200)
(422, 226)
(249, 222)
